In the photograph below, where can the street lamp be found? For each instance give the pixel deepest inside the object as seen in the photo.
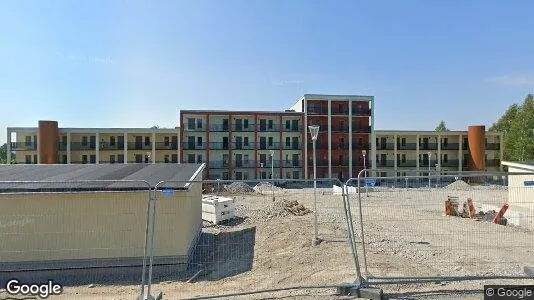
(429, 156)
(272, 170)
(314, 132)
(364, 152)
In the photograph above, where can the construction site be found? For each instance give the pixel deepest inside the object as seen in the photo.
(417, 243)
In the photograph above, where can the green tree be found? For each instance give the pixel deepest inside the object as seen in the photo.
(517, 123)
(3, 154)
(442, 127)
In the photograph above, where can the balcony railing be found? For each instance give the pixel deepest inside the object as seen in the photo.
(340, 111)
(242, 146)
(292, 146)
(407, 163)
(194, 146)
(242, 128)
(166, 146)
(429, 146)
(267, 146)
(109, 146)
(218, 164)
(139, 146)
(450, 146)
(385, 146)
(407, 146)
(317, 110)
(219, 127)
(62, 146)
(361, 112)
(23, 146)
(385, 163)
(74, 146)
(292, 128)
(493, 146)
(424, 163)
(243, 164)
(266, 128)
(292, 163)
(187, 128)
(219, 146)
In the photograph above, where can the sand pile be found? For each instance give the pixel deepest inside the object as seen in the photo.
(265, 187)
(459, 185)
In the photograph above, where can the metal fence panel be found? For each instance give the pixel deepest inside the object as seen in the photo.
(403, 231)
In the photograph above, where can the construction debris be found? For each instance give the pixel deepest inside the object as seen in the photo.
(468, 211)
(459, 185)
(239, 188)
(265, 187)
(295, 208)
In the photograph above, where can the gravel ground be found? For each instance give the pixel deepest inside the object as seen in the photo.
(406, 234)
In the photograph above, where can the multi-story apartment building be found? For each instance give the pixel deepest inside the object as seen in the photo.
(400, 152)
(52, 145)
(346, 125)
(243, 145)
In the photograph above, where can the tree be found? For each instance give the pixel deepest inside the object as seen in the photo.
(3, 154)
(517, 123)
(442, 127)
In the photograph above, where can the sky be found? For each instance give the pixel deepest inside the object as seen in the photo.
(137, 63)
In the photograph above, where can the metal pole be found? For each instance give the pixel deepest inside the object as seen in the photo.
(429, 186)
(315, 192)
(365, 173)
(272, 171)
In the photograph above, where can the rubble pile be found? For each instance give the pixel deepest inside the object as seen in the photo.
(295, 208)
(239, 188)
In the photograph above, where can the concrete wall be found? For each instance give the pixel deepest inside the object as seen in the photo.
(36, 228)
(518, 193)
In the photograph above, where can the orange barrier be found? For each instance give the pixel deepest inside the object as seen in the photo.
(500, 214)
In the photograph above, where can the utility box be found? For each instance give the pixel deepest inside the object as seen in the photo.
(216, 209)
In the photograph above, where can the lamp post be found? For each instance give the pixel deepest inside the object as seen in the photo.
(314, 132)
(272, 171)
(364, 152)
(429, 156)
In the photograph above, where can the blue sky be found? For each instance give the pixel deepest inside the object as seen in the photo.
(136, 63)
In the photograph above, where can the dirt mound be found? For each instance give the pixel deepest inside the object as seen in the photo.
(239, 188)
(295, 208)
(265, 187)
(458, 185)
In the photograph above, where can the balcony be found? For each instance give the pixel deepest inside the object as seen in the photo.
(243, 164)
(108, 146)
(493, 163)
(218, 164)
(317, 110)
(406, 146)
(424, 163)
(266, 128)
(450, 146)
(219, 127)
(62, 146)
(242, 128)
(139, 146)
(266, 146)
(292, 163)
(385, 146)
(493, 146)
(292, 128)
(407, 163)
(242, 146)
(219, 146)
(428, 146)
(451, 163)
(166, 146)
(77, 146)
(385, 163)
(187, 128)
(340, 128)
(340, 111)
(361, 112)
(194, 146)
(23, 146)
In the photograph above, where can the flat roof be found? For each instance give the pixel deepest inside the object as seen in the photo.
(99, 130)
(415, 132)
(527, 165)
(95, 177)
(241, 112)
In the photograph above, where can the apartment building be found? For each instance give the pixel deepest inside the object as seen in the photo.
(346, 127)
(399, 152)
(243, 145)
(48, 144)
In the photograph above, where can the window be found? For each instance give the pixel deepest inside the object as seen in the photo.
(199, 141)
(245, 159)
(92, 159)
(112, 141)
(225, 176)
(295, 125)
(84, 159)
(296, 174)
(238, 176)
(270, 141)
(147, 141)
(112, 159)
(120, 158)
(245, 123)
(35, 159)
(199, 159)
(28, 142)
(138, 158)
(225, 160)
(245, 141)
(288, 124)
(190, 123)
(445, 142)
(64, 158)
(199, 123)
(28, 159)
(64, 140)
(166, 141)
(191, 158)
(288, 175)
(166, 158)
(445, 158)
(270, 124)
(174, 158)
(245, 176)
(288, 141)
(403, 142)
(263, 175)
(403, 158)
(84, 141)
(263, 124)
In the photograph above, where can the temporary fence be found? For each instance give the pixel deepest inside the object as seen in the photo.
(436, 227)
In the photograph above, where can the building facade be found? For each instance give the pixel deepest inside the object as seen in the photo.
(400, 152)
(48, 144)
(346, 127)
(243, 145)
